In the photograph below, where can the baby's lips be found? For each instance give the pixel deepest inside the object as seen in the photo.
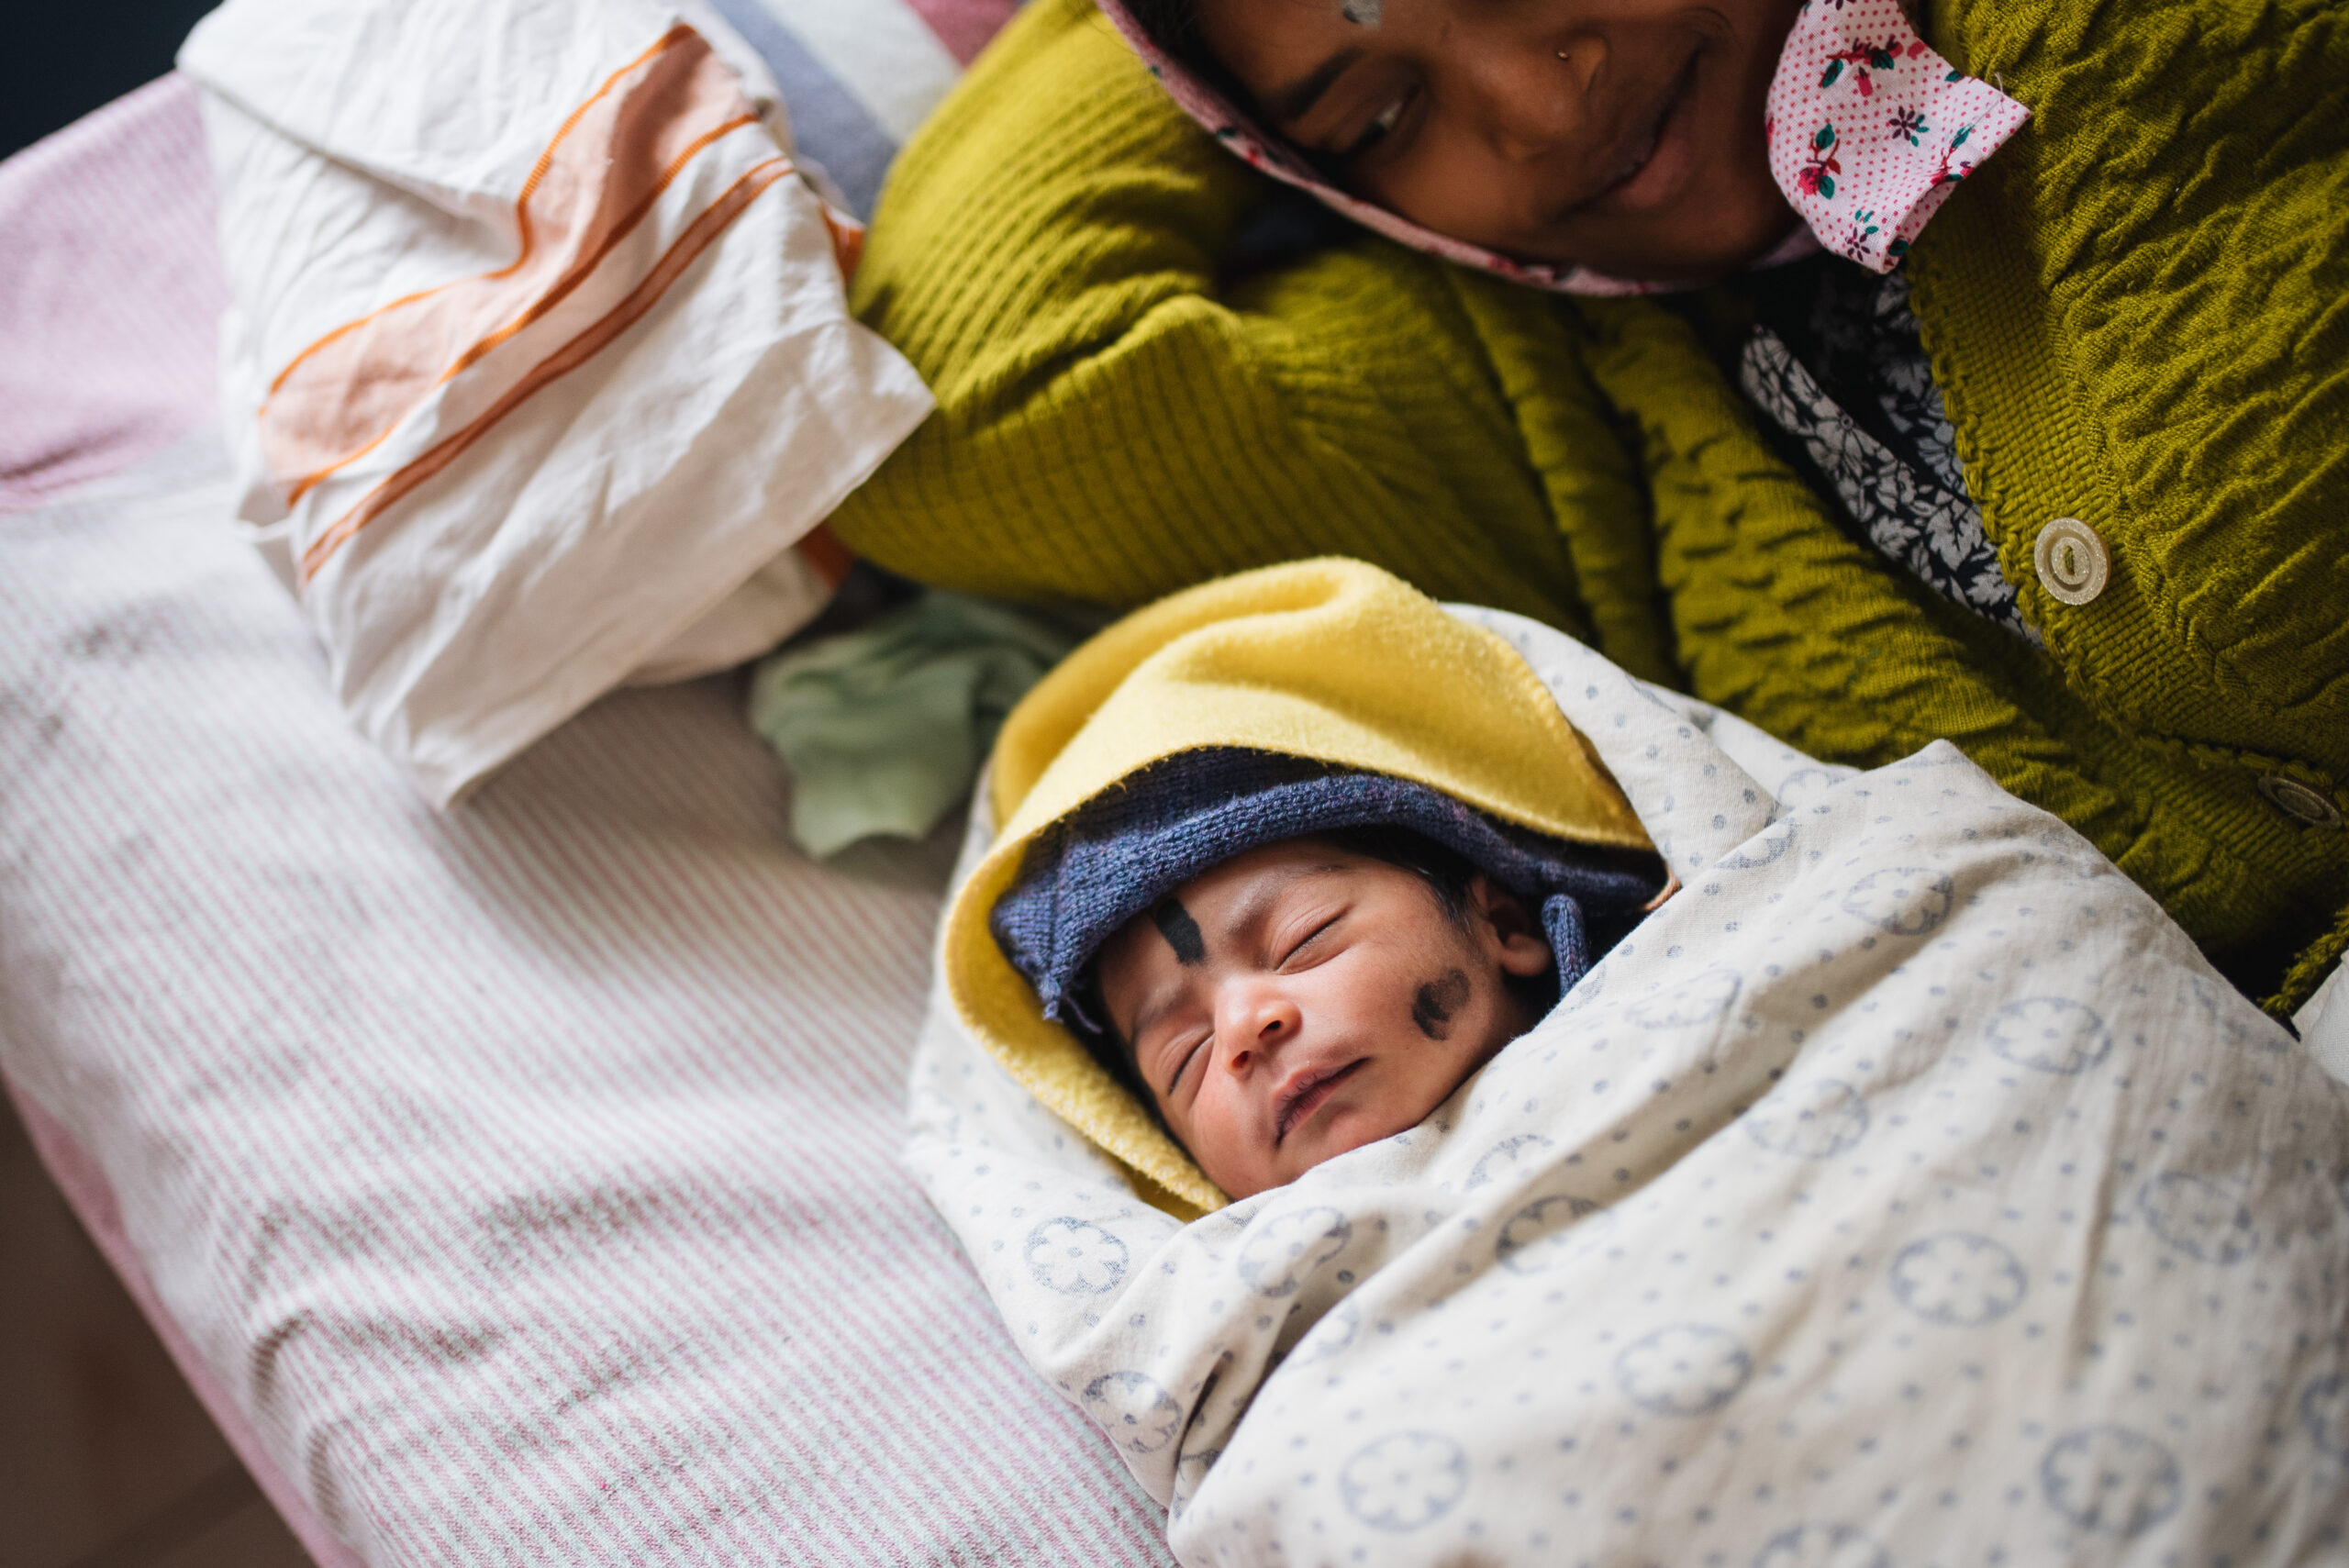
(1314, 1092)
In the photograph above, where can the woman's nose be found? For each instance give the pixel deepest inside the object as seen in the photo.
(1252, 1023)
(1534, 93)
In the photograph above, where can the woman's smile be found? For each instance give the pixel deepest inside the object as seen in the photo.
(1659, 157)
(1621, 134)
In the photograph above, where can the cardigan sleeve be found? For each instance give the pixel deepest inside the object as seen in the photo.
(1120, 417)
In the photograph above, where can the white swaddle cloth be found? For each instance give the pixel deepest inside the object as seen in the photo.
(1907, 1192)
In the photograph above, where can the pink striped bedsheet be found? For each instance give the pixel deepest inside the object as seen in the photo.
(523, 1181)
(88, 1194)
(110, 292)
(513, 1186)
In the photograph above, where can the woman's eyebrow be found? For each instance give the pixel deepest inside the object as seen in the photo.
(1291, 104)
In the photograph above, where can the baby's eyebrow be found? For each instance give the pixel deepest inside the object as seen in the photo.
(1246, 918)
(1291, 104)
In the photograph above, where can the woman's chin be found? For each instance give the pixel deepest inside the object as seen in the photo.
(1756, 241)
(1721, 250)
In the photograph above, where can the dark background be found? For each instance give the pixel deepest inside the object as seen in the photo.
(60, 58)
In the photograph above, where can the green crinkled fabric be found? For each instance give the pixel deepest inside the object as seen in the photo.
(2139, 314)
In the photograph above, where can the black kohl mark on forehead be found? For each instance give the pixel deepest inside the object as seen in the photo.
(1437, 1000)
(1362, 13)
(1181, 932)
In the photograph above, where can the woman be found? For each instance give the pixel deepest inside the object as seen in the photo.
(2129, 313)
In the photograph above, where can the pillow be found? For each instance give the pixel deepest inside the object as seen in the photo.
(539, 362)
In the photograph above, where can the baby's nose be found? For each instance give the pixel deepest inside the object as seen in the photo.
(1258, 1021)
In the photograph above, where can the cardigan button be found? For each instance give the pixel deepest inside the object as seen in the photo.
(2298, 801)
(2072, 563)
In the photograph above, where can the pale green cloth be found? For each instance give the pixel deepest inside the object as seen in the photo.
(883, 727)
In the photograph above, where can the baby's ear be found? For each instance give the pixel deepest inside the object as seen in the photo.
(1521, 948)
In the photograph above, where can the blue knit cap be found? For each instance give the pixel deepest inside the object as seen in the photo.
(1123, 850)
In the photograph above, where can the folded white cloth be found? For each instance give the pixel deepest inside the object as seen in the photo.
(539, 360)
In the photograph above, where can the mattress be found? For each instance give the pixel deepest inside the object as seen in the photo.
(522, 1179)
(518, 1185)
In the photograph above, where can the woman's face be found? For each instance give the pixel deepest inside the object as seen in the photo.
(1621, 134)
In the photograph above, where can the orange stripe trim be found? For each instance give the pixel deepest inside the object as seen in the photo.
(666, 41)
(697, 236)
(848, 240)
(563, 287)
(821, 548)
(556, 293)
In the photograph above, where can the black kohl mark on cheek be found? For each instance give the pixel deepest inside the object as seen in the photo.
(1362, 13)
(1181, 932)
(1437, 1000)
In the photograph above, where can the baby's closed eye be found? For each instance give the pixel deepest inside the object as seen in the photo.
(1302, 946)
(1184, 1054)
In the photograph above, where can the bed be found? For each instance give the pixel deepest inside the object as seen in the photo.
(522, 1183)
(518, 1185)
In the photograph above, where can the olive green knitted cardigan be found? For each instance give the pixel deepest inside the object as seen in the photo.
(2137, 313)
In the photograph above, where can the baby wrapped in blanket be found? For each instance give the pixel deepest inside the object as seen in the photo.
(1906, 1190)
(1289, 960)
(1291, 857)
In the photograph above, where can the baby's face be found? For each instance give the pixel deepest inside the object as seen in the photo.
(1302, 1000)
(1640, 152)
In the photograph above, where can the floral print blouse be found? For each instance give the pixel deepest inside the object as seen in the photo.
(1839, 367)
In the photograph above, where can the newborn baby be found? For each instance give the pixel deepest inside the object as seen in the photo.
(1315, 995)
(1287, 961)
(1277, 865)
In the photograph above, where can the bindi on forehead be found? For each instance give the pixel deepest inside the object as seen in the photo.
(1181, 932)
(1362, 13)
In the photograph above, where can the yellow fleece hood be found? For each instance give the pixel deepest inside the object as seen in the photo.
(1329, 659)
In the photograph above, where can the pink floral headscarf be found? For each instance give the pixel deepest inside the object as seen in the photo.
(1869, 131)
